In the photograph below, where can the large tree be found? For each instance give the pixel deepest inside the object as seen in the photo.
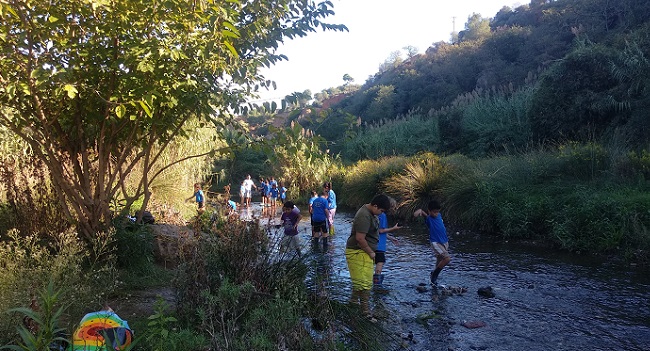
(100, 87)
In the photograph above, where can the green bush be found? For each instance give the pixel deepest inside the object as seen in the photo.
(582, 161)
(421, 180)
(364, 180)
(497, 121)
(572, 196)
(640, 162)
(231, 288)
(41, 329)
(134, 244)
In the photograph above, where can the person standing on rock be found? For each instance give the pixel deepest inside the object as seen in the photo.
(360, 250)
(437, 237)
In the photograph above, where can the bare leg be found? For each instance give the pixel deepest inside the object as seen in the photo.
(378, 267)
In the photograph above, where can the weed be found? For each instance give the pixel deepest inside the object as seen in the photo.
(40, 329)
(159, 326)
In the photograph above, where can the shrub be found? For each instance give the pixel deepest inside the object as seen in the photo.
(640, 162)
(41, 325)
(497, 121)
(229, 284)
(364, 180)
(84, 275)
(421, 181)
(582, 161)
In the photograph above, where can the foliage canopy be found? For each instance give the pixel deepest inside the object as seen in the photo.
(93, 85)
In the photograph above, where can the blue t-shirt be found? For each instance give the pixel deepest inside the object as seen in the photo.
(283, 193)
(232, 205)
(199, 196)
(331, 200)
(273, 192)
(383, 224)
(437, 230)
(318, 209)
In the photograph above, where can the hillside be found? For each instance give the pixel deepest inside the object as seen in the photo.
(570, 58)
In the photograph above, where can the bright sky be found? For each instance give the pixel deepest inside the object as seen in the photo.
(377, 28)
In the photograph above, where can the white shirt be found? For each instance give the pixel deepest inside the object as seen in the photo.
(248, 184)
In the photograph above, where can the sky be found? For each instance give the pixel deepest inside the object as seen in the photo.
(376, 29)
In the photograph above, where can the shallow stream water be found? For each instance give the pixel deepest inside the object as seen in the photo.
(544, 299)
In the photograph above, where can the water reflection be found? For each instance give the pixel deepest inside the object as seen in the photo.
(544, 299)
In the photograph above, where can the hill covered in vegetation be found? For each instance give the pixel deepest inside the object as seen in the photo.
(549, 71)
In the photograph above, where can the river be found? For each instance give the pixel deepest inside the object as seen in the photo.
(544, 299)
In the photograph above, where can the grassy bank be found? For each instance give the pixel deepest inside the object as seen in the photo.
(576, 197)
(232, 291)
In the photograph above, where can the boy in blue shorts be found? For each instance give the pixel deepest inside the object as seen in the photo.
(273, 194)
(437, 237)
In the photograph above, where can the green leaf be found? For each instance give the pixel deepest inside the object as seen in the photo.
(52, 19)
(231, 48)
(231, 27)
(11, 90)
(227, 33)
(71, 90)
(145, 66)
(120, 110)
(146, 108)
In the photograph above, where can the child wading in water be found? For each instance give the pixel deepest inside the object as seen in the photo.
(437, 237)
(380, 253)
(290, 219)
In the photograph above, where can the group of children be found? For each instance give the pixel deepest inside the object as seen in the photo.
(365, 247)
(271, 192)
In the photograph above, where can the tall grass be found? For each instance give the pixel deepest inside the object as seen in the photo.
(420, 181)
(175, 184)
(365, 179)
(406, 135)
(497, 120)
(573, 196)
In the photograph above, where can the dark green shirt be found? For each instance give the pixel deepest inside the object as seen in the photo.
(364, 222)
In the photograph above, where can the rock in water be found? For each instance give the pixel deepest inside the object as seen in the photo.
(486, 291)
(473, 324)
